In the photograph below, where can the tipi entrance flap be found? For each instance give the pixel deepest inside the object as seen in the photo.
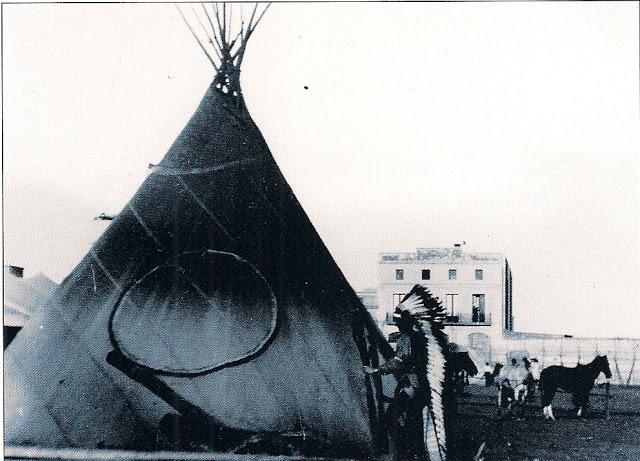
(196, 313)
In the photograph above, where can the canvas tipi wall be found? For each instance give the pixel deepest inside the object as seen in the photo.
(213, 291)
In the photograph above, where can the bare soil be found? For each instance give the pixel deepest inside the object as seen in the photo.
(526, 435)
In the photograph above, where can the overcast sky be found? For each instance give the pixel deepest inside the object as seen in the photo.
(511, 126)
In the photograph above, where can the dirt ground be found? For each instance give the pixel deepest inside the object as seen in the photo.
(528, 436)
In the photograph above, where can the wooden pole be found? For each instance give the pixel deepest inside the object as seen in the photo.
(607, 397)
(78, 454)
(615, 361)
(478, 456)
(633, 364)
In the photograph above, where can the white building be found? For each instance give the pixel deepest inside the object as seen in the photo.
(474, 288)
(476, 291)
(369, 298)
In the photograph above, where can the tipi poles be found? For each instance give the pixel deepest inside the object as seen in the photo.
(213, 29)
(204, 50)
(229, 52)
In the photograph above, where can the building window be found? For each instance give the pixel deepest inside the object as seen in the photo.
(397, 298)
(399, 274)
(479, 274)
(451, 301)
(453, 273)
(478, 311)
(426, 274)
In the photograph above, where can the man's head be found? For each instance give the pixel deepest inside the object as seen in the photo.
(404, 321)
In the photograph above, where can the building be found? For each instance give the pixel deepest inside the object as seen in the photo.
(474, 288)
(476, 291)
(369, 298)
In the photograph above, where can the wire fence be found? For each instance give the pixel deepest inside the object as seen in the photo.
(623, 354)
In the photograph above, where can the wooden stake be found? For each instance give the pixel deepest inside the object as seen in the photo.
(633, 364)
(607, 397)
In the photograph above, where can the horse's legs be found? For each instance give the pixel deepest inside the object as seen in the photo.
(548, 412)
(582, 402)
(546, 396)
(576, 400)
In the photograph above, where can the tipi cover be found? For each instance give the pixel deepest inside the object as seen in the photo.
(209, 309)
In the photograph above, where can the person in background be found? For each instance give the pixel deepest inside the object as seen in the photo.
(534, 377)
(488, 375)
(535, 369)
(529, 381)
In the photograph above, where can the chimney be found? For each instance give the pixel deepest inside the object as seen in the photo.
(457, 250)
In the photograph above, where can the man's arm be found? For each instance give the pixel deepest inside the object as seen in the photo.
(397, 363)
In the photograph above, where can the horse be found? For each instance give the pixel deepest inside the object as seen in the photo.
(578, 381)
(461, 364)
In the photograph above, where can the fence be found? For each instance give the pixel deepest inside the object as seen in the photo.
(623, 354)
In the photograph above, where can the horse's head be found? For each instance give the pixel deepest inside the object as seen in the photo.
(602, 365)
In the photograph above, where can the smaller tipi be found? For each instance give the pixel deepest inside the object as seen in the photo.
(22, 298)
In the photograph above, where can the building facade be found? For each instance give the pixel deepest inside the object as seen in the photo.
(369, 298)
(476, 291)
(474, 288)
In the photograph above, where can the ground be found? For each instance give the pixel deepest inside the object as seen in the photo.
(530, 437)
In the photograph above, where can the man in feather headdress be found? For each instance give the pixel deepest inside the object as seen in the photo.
(409, 365)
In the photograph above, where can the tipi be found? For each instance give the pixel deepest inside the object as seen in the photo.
(209, 310)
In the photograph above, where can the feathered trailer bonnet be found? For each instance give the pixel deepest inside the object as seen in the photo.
(425, 312)
(420, 308)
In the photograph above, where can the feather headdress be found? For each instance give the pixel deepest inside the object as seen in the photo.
(428, 315)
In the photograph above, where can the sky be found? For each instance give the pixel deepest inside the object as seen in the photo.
(510, 126)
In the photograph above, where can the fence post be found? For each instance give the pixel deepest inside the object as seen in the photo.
(633, 364)
(607, 397)
(615, 361)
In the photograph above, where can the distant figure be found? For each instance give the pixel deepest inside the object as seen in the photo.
(506, 395)
(535, 369)
(488, 375)
(529, 381)
(497, 371)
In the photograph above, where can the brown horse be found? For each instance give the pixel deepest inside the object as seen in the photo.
(578, 381)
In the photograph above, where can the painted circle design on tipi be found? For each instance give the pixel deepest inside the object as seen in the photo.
(196, 313)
